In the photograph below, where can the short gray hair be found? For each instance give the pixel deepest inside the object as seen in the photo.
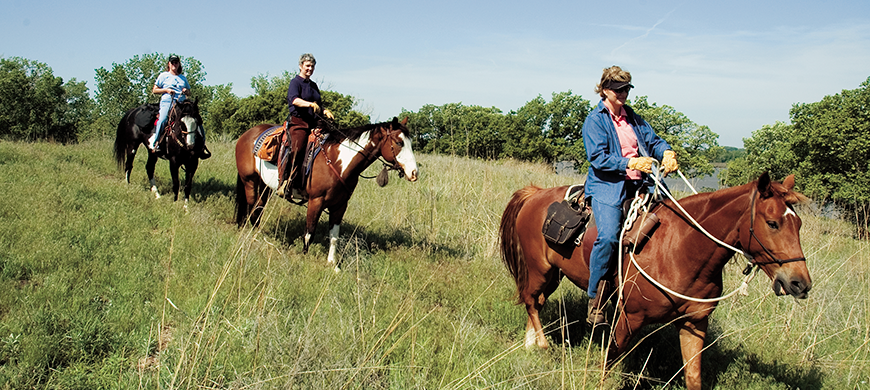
(307, 57)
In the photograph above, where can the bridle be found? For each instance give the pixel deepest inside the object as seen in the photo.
(366, 155)
(774, 259)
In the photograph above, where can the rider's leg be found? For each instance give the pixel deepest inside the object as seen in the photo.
(203, 153)
(607, 219)
(161, 123)
(298, 140)
(283, 150)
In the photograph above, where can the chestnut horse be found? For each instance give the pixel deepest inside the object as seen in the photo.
(756, 218)
(182, 142)
(334, 174)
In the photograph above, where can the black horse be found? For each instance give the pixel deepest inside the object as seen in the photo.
(182, 142)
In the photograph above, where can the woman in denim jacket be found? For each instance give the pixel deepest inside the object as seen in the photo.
(621, 147)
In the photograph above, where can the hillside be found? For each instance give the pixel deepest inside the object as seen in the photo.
(104, 286)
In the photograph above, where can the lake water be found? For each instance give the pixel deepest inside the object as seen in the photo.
(674, 181)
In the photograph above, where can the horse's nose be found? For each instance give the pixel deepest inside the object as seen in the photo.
(412, 176)
(796, 286)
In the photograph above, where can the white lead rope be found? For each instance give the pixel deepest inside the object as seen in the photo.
(636, 205)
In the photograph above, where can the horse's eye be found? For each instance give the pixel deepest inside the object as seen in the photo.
(400, 143)
(773, 225)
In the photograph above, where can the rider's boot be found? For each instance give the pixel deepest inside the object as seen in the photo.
(595, 315)
(203, 153)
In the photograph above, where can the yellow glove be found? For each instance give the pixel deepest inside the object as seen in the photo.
(328, 114)
(315, 107)
(643, 164)
(669, 161)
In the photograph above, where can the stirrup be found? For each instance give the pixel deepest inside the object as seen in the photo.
(282, 189)
(296, 196)
(595, 315)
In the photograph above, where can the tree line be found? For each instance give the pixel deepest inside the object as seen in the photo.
(826, 146)
(36, 105)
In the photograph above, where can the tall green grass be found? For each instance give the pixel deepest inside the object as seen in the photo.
(103, 286)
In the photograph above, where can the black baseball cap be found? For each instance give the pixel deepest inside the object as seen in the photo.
(614, 85)
(174, 58)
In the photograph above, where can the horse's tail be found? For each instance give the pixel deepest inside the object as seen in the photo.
(511, 250)
(121, 140)
(241, 202)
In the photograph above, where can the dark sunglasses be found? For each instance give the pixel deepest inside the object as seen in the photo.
(624, 89)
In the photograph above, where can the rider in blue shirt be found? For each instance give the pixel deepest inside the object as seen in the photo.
(621, 147)
(174, 87)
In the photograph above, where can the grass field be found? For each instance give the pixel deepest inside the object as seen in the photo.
(104, 286)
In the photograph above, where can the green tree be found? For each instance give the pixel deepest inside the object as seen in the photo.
(696, 146)
(471, 131)
(553, 129)
(34, 104)
(769, 149)
(831, 136)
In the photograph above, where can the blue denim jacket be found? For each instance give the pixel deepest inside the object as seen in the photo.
(606, 178)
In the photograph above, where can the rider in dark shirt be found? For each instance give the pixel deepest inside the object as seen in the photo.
(303, 99)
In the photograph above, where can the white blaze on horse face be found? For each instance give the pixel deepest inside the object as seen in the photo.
(349, 149)
(190, 122)
(789, 211)
(406, 159)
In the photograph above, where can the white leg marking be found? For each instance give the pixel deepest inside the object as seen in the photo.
(154, 188)
(531, 337)
(306, 239)
(333, 242)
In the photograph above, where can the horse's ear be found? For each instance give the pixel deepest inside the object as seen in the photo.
(405, 121)
(395, 122)
(788, 182)
(764, 185)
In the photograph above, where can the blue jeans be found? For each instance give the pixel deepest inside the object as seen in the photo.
(608, 219)
(161, 120)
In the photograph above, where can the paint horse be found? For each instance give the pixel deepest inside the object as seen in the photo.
(334, 174)
(182, 140)
(756, 218)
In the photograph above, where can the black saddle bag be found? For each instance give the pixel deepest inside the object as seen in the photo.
(565, 221)
(145, 117)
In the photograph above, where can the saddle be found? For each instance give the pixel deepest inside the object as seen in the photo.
(566, 220)
(268, 144)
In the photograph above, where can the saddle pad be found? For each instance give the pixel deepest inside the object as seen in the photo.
(267, 135)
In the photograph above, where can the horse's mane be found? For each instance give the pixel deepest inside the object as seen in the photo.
(353, 133)
(790, 197)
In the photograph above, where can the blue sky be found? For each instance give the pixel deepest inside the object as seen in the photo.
(731, 65)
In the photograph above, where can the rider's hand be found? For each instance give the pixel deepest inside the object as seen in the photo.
(669, 161)
(643, 164)
(328, 114)
(315, 107)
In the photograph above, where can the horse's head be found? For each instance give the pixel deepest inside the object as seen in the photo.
(773, 239)
(398, 150)
(186, 121)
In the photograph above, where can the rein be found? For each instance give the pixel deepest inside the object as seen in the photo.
(637, 204)
(367, 156)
